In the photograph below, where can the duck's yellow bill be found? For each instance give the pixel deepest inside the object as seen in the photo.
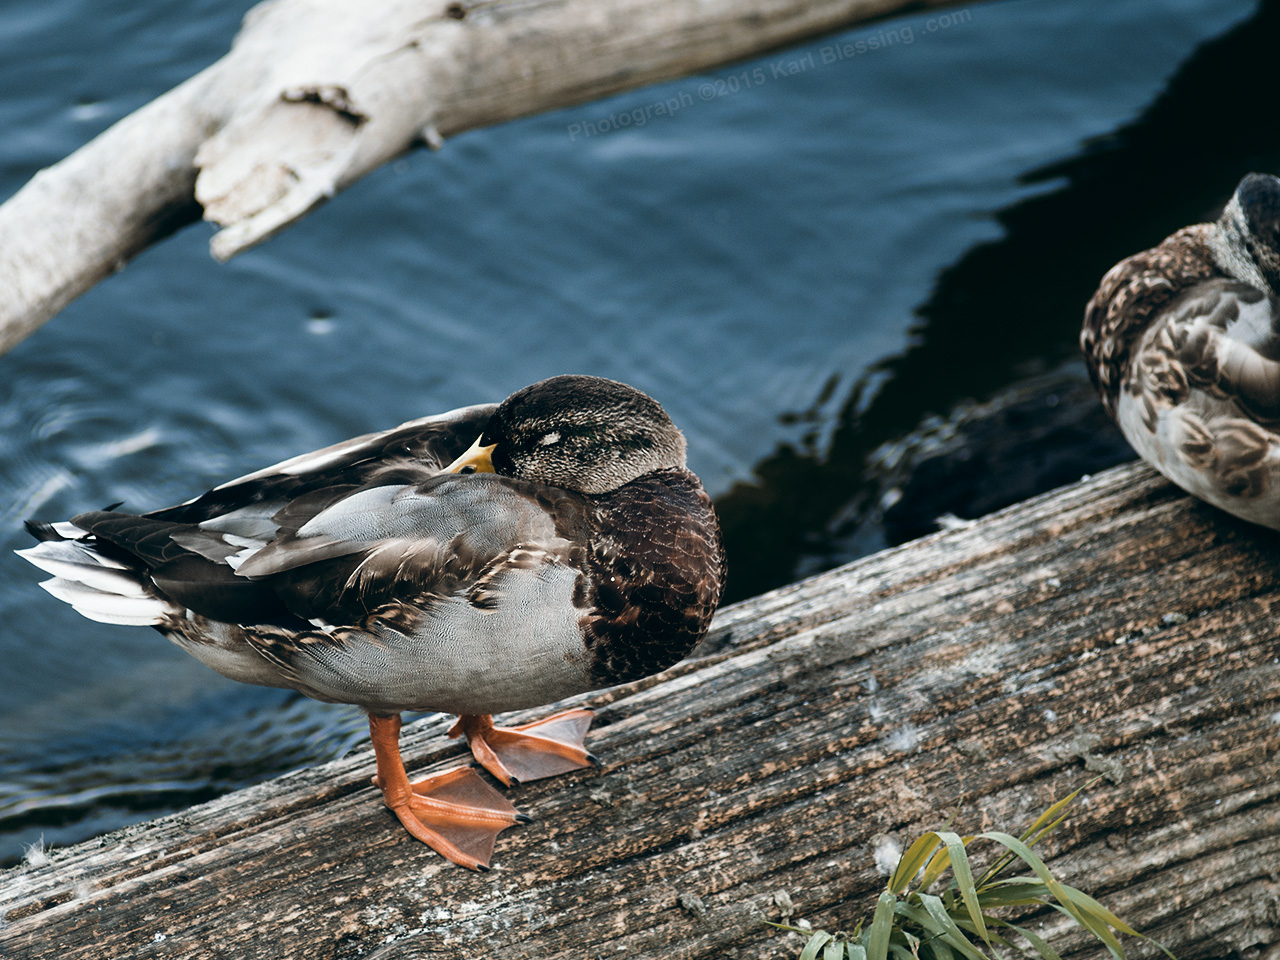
(478, 458)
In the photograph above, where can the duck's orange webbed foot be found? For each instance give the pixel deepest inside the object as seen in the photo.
(455, 813)
(530, 751)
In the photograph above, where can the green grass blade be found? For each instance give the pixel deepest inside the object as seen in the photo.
(998, 939)
(932, 941)
(1011, 893)
(1048, 829)
(910, 863)
(1086, 902)
(787, 927)
(1039, 828)
(942, 925)
(856, 951)
(934, 935)
(881, 927)
(1094, 925)
(834, 950)
(964, 879)
(1040, 945)
(1105, 916)
(941, 860)
(816, 942)
(1099, 930)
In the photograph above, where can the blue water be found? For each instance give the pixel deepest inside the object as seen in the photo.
(785, 261)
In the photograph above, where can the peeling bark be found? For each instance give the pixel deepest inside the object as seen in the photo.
(314, 94)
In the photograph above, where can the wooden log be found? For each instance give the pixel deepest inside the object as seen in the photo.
(315, 94)
(972, 677)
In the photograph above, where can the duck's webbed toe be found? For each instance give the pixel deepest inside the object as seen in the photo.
(531, 751)
(455, 813)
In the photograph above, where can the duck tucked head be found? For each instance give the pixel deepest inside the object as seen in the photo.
(577, 432)
(1246, 243)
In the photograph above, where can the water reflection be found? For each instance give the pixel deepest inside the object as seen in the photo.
(1003, 318)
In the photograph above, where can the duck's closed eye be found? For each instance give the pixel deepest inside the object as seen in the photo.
(549, 439)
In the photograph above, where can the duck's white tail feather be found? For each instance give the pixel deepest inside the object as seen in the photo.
(69, 531)
(108, 607)
(77, 561)
(98, 587)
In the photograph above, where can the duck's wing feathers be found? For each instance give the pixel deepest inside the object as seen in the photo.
(1202, 397)
(476, 576)
(408, 453)
(409, 543)
(185, 556)
(338, 554)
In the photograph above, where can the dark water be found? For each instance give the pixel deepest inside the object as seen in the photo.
(803, 269)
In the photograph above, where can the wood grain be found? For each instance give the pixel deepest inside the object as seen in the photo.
(1115, 628)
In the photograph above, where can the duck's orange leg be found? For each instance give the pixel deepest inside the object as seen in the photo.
(530, 751)
(455, 813)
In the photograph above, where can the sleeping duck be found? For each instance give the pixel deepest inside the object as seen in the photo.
(1182, 343)
(488, 559)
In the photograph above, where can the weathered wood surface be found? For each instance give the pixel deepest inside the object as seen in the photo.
(1114, 626)
(315, 94)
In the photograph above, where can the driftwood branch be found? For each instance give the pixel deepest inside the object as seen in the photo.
(1115, 627)
(315, 94)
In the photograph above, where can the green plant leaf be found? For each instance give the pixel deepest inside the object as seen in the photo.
(911, 862)
(1012, 892)
(960, 929)
(942, 926)
(881, 927)
(1091, 905)
(1042, 824)
(941, 860)
(1040, 828)
(1093, 924)
(1107, 916)
(787, 927)
(960, 920)
(964, 878)
(816, 942)
(1041, 946)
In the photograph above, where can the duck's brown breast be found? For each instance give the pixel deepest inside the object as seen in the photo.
(653, 576)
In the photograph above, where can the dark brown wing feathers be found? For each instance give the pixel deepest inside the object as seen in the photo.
(1130, 295)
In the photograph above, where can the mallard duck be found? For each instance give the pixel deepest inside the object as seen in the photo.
(488, 559)
(1182, 344)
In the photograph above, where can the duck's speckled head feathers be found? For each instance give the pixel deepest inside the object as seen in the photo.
(582, 433)
(1246, 243)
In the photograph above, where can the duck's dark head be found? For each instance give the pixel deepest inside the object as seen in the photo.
(1247, 244)
(580, 433)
